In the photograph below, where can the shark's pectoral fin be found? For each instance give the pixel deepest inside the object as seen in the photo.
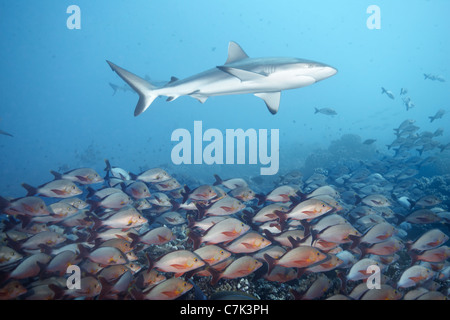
(241, 74)
(272, 100)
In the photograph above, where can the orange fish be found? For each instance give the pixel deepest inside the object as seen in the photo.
(224, 231)
(179, 262)
(300, 257)
(248, 243)
(241, 267)
(169, 289)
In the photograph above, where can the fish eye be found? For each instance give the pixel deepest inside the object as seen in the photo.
(195, 259)
(221, 252)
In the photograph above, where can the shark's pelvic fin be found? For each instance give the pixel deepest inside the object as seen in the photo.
(235, 53)
(272, 100)
(142, 87)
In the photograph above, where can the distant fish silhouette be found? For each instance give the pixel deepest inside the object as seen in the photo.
(116, 88)
(6, 133)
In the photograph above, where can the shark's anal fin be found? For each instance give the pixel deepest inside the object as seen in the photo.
(241, 74)
(235, 53)
(272, 100)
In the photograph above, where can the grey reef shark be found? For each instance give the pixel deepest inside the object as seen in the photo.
(263, 77)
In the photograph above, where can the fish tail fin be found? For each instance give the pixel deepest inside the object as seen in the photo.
(355, 241)
(307, 228)
(215, 275)
(143, 88)
(247, 216)
(57, 175)
(16, 245)
(185, 194)
(114, 87)
(84, 252)
(358, 199)
(97, 222)
(108, 165)
(59, 292)
(91, 192)
(136, 294)
(4, 203)
(412, 203)
(195, 238)
(106, 288)
(133, 176)
(316, 110)
(271, 262)
(282, 217)
(431, 119)
(150, 262)
(31, 191)
(201, 211)
(135, 239)
(302, 195)
(297, 241)
(191, 221)
(218, 180)
(94, 204)
(383, 90)
(261, 198)
(25, 220)
(175, 205)
(300, 272)
(414, 257)
(297, 295)
(4, 276)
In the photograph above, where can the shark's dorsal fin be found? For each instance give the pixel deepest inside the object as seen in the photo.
(235, 53)
(173, 79)
(272, 100)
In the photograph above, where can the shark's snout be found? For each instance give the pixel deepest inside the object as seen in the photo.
(324, 73)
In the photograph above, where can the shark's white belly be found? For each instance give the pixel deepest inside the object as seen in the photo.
(216, 83)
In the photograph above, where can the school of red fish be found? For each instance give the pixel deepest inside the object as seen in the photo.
(117, 229)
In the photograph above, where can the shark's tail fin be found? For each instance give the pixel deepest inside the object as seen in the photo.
(114, 87)
(143, 88)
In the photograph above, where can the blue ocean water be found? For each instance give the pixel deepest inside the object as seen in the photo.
(62, 112)
(57, 103)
